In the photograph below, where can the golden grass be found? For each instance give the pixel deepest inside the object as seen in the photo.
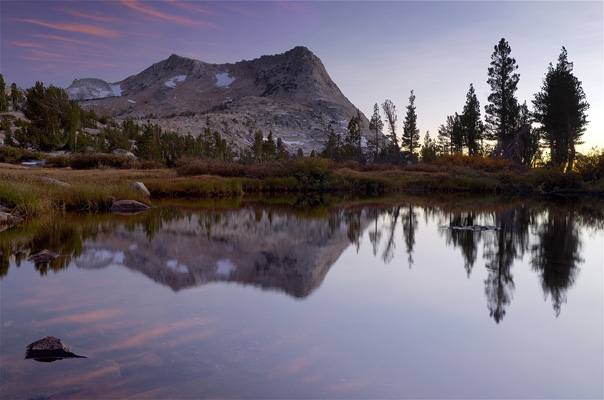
(91, 190)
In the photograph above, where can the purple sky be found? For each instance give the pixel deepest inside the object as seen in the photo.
(372, 50)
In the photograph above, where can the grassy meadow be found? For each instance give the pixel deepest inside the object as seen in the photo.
(94, 186)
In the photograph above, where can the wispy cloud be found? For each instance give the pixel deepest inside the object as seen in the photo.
(190, 7)
(91, 30)
(63, 39)
(136, 5)
(95, 17)
(23, 44)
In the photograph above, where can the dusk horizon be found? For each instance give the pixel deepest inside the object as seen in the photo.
(372, 50)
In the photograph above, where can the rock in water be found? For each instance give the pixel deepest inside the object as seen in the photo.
(128, 207)
(49, 349)
(474, 228)
(43, 256)
(8, 220)
(140, 187)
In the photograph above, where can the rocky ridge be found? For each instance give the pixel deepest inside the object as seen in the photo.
(290, 94)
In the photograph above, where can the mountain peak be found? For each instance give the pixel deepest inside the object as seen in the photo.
(290, 94)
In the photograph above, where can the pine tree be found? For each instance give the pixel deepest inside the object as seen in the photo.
(560, 108)
(16, 97)
(269, 148)
(333, 147)
(429, 149)
(410, 131)
(502, 110)
(257, 146)
(376, 125)
(530, 138)
(471, 124)
(443, 140)
(3, 96)
(390, 112)
(352, 143)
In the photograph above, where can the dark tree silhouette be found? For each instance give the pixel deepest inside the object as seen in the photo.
(376, 125)
(557, 256)
(410, 131)
(471, 124)
(505, 246)
(409, 220)
(388, 253)
(502, 111)
(560, 108)
(390, 112)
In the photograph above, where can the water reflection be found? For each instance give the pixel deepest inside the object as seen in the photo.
(279, 247)
(556, 257)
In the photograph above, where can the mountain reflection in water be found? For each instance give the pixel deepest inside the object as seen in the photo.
(285, 249)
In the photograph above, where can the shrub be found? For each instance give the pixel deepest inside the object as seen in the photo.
(9, 154)
(477, 162)
(547, 181)
(271, 169)
(591, 165)
(60, 161)
(147, 164)
(193, 166)
(100, 160)
(311, 170)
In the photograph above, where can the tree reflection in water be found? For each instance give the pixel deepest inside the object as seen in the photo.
(324, 232)
(556, 257)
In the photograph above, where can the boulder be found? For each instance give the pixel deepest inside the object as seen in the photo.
(43, 256)
(124, 153)
(128, 207)
(49, 349)
(8, 220)
(141, 188)
(51, 181)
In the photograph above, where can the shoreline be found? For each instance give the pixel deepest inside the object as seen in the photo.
(23, 192)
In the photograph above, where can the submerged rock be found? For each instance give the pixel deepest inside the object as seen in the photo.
(474, 228)
(43, 256)
(128, 207)
(49, 349)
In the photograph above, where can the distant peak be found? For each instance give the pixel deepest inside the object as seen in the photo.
(177, 57)
(300, 51)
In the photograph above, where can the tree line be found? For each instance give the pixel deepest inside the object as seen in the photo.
(559, 109)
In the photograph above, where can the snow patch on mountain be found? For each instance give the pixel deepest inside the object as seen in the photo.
(174, 80)
(116, 89)
(224, 79)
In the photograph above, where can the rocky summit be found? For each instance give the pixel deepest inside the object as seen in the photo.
(290, 94)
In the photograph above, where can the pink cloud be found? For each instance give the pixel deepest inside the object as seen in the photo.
(136, 5)
(92, 17)
(91, 30)
(22, 44)
(191, 7)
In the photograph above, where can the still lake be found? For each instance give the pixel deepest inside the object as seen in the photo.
(310, 298)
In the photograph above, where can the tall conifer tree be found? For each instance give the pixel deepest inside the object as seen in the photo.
(502, 110)
(410, 131)
(471, 124)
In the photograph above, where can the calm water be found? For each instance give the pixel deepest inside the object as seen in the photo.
(285, 298)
